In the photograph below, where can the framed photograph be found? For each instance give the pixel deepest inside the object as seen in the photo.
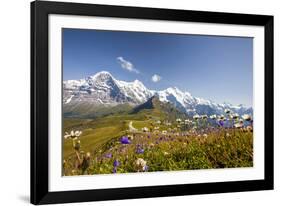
(131, 102)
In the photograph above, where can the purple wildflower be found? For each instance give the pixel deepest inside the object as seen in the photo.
(114, 170)
(125, 140)
(116, 163)
(139, 150)
(148, 136)
(221, 123)
(146, 168)
(108, 155)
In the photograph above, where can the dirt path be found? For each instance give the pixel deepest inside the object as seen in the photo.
(131, 127)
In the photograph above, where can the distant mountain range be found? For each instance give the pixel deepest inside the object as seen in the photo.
(102, 89)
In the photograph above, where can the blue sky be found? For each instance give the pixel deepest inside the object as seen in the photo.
(211, 67)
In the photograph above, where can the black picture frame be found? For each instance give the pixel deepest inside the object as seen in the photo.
(39, 102)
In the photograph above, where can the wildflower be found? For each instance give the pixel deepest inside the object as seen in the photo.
(139, 150)
(221, 123)
(145, 129)
(247, 117)
(169, 124)
(178, 120)
(164, 132)
(238, 125)
(204, 116)
(146, 168)
(77, 133)
(205, 135)
(221, 117)
(235, 116)
(125, 140)
(249, 128)
(66, 135)
(116, 163)
(166, 153)
(114, 170)
(230, 116)
(72, 134)
(213, 117)
(141, 164)
(227, 135)
(196, 117)
(108, 155)
(158, 122)
(227, 111)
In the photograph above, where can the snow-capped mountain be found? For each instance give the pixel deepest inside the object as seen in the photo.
(103, 88)
(194, 105)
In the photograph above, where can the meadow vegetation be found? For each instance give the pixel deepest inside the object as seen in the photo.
(156, 138)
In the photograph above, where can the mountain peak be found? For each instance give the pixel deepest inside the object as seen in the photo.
(137, 81)
(172, 89)
(101, 74)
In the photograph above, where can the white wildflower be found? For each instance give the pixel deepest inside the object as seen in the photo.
(213, 117)
(227, 111)
(246, 117)
(196, 117)
(141, 164)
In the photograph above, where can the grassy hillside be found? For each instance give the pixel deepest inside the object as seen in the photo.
(116, 143)
(155, 109)
(88, 110)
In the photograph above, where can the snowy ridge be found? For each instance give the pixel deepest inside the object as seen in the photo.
(103, 88)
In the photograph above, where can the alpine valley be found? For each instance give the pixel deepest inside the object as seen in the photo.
(113, 126)
(102, 94)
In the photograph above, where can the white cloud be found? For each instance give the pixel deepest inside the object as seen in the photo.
(156, 78)
(127, 65)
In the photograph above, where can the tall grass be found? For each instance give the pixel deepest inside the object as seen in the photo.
(219, 148)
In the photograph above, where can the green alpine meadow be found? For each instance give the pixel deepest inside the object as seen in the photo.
(154, 137)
